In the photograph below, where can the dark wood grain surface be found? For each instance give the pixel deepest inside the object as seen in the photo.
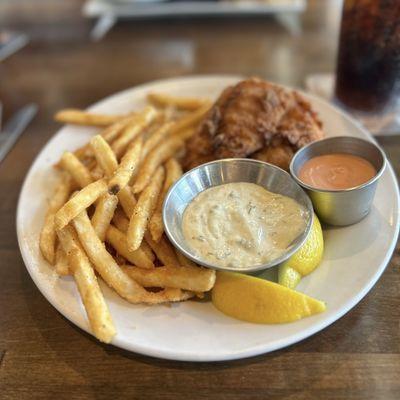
(42, 355)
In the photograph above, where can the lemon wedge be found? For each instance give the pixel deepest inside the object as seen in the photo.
(256, 300)
(305, 260)
(288, 276)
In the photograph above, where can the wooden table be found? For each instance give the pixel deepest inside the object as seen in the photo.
(42, 355)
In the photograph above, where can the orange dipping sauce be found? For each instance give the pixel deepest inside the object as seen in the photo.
(336, 171)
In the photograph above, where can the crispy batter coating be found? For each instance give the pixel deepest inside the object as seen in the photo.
(257, 119)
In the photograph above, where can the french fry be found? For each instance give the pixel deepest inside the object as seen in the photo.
(119, 259)
(147, 249)
(139, 257)
(133, 129)
(102, 259)
(97, 173)
(104, 155)
(190, 120)
(183, 128)
(180, 103)
(47, 239)
(183, 260)
(91, 164)
(83, 153)
(185, 134)
(112, 132)
(62, 263)
(126, 168)
(132, 148)
(163, 249)
(108, 134)
(143, 210)
(106, 158)
(173, 171)
(81, 175)
(120, 221)
(103, 214)
(127, 200)
(155, 158)
(82, 200)
(113, 275)
(80, 117)
(195, 279)
(92, 298)
(156, 137)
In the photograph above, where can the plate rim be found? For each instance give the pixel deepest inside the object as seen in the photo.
(233, 355)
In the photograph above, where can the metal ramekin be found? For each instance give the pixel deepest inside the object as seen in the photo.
(220, 172)
(348, 206)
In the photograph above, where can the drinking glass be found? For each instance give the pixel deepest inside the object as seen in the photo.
(368, 63)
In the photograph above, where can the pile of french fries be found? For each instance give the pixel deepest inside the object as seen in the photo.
(105, 217)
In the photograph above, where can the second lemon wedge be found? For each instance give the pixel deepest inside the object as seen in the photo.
(256, 300)
(305, 260)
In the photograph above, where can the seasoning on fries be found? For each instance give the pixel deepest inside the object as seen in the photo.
(103, 227)
(195, 279)
(138, 257)
(80, 202)
(81, 175)
(163, 249)
(156, 158)
(103, 214)
(61, 263)
(133, 129)
(85, 278)
(127, 200)
(144, 209)
(108, 134)
(126, 168)
(111, 132)
(105, 157)
(47, 239)
(156, 137)
(113, 275)
(173, 173)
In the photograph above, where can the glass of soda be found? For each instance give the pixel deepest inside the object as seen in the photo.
(368, 63)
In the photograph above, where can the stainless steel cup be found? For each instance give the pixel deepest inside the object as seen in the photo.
(348, 206)
(220, 172)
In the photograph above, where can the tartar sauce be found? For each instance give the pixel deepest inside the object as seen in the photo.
(242, 224)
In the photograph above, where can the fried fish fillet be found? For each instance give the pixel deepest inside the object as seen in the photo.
(255, 119)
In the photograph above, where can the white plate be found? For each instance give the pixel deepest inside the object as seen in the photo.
(354, 257)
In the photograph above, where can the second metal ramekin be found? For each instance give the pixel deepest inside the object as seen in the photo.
(347, 206)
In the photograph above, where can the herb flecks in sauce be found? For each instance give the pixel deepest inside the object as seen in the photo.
(242, 224)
